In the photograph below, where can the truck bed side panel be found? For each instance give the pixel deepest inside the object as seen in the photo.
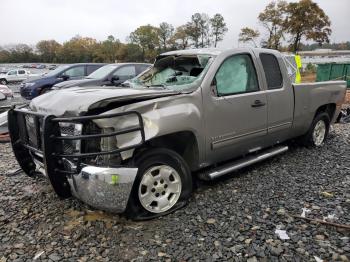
(311, 96)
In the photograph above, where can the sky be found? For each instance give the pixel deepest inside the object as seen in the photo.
(29, 21)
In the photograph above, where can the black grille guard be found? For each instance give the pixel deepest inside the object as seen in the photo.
(47, 132)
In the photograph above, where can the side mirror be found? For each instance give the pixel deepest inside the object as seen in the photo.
(115, 79)
(2, 97)
(64, 77)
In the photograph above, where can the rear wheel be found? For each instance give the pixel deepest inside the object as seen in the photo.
(318, 131)
(3, 81)
(162, 185)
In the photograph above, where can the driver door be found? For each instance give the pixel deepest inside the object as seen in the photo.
(236, 111)
(73, 73)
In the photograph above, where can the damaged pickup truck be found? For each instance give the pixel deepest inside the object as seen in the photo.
(135, 149)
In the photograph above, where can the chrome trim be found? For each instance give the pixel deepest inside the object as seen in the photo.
(238, 164)
(104, 188)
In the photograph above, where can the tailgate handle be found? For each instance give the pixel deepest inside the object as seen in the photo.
(258, 103)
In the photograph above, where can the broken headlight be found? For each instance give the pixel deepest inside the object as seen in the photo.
(71, 129)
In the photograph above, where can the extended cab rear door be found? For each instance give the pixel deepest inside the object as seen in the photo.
(236, 108)
(22, 75)
(280, 97)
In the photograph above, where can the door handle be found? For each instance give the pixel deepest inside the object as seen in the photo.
(258, 103)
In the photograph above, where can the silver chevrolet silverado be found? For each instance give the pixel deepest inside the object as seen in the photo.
(205, 112)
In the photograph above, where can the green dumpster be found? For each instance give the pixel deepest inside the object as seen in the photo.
(333, 71)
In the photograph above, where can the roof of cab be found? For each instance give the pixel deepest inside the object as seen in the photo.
(202, 51)
(213, 51)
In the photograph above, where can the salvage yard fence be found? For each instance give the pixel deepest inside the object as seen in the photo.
(333, 71)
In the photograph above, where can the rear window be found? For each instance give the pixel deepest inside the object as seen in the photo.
(272, 71)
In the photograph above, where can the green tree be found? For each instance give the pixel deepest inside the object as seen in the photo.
(78, 49)
(194, 29)
(166, 32)
(305, 19)
(272, 19)
(48, 50)
(22, 53)
(5, 55)
(180, 39)
(147, 37)
(248, 35)
(218, 28)
(107, 51)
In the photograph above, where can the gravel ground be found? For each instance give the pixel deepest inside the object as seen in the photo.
(233, 219)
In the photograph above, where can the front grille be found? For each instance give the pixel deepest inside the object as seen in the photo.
(67, 130)
(70, 129)
(33, 127)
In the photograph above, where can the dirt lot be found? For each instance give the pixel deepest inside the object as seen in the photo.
(232, 219)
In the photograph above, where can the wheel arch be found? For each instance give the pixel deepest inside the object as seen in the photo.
(183, 142)
(327, 108)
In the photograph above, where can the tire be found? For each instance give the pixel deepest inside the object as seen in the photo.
(3, 81)
(163, 184)
(318, 131)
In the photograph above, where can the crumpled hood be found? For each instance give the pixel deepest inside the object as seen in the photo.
(78, 100)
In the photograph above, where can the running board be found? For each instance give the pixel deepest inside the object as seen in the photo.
(240, 163)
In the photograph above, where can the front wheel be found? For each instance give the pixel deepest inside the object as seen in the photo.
(162, 185)
(3, 81)
(318, 131)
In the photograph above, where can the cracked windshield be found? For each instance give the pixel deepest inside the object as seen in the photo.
(175, 72)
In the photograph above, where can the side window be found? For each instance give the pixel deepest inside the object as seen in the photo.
(272, 71)
(21, 72)
(12, 73)
(91, 68)
(236, 75)
(141, 68)
(75, 71)
(125, 72)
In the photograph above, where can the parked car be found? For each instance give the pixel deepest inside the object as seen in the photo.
(52, 67)
(108, 75)
(40, 66)
(205, 112)
(36, 86)
(6, 91)
(14, 75)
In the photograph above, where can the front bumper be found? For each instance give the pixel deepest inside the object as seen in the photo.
(37, 145)
(27, 92)
(104, 188)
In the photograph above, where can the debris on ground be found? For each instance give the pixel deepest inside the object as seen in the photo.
(282, 234)
(305, 211)
(232, 219)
